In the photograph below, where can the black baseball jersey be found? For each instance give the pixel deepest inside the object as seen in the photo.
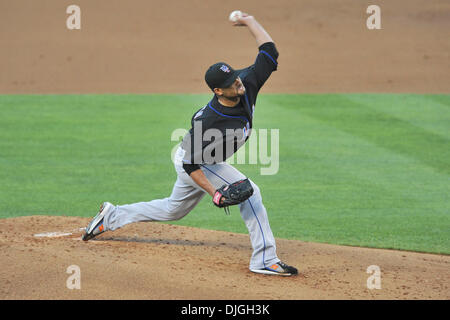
(217, 131)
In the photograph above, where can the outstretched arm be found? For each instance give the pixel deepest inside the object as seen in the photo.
(266, 60)
(255, 28)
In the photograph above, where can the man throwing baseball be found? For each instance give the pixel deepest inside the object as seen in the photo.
(218, 130)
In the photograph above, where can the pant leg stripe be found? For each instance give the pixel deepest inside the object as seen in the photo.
(254, 213)
(260, 228)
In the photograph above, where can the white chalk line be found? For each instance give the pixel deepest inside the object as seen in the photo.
(57, 234)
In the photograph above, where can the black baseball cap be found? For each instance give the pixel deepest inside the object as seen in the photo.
(220, 75)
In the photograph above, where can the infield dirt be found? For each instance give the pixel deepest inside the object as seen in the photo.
(162, 261)
(165, 47)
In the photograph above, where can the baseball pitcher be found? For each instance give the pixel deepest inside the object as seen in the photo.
(217, 131)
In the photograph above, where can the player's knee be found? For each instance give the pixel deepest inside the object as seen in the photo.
(255, 201)
(256, 196)
(176, 210)
(256, 190)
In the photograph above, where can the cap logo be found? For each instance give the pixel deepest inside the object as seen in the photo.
(224, 68)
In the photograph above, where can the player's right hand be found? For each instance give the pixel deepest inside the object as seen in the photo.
(244, 20)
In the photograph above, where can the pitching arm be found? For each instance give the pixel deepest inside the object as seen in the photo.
(260, 34)
(266, 60)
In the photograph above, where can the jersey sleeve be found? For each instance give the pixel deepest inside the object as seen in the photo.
(265, 64)
(189, 168)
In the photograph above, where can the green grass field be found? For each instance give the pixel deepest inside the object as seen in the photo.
(355, 169)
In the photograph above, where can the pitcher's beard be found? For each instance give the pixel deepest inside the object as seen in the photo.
(235, 98)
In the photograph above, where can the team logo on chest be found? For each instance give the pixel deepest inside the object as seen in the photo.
(246, 130)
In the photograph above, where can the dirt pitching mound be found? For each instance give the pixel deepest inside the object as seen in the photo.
(161, 261)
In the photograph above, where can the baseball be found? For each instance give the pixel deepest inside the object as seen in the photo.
(235, 16)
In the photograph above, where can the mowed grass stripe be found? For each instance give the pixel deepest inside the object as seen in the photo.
(439, 98)
(382, 129)
(427, 112)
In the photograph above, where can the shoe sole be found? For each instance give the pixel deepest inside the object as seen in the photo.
(93, 224)
(272, 273)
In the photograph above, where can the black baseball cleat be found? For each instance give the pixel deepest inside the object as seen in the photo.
(96, 227)
(279, 269)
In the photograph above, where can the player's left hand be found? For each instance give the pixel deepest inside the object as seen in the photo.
(232, 194)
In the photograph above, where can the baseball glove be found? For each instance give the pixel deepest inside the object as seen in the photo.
(232, 194)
